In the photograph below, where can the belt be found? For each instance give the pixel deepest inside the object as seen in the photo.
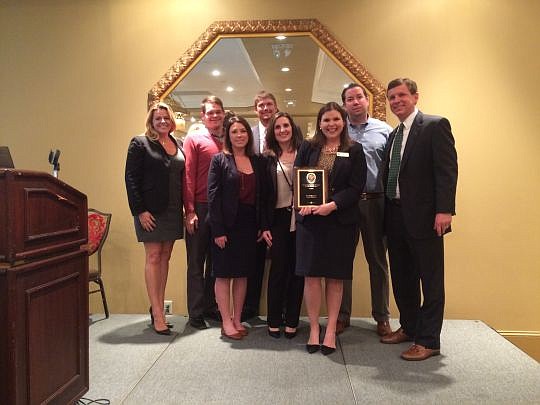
(370, 196)
(394, 201)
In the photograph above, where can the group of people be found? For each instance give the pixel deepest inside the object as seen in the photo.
(234, 186)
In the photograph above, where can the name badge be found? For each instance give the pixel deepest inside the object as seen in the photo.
(342, 154)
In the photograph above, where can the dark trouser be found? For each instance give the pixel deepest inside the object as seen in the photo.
(200, 283)
(285, 289)
(254, 282)
(417, 268)
(373, 240)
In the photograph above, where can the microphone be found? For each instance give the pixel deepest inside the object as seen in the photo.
(53, 160)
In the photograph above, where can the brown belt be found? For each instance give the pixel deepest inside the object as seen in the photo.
(370, 196)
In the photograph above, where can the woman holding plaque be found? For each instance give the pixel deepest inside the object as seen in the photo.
(285, 289)
(233, 206)
(327, 231)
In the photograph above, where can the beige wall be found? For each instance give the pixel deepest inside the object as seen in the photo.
(75, 76)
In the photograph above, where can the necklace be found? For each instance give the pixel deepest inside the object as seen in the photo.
(332, 149)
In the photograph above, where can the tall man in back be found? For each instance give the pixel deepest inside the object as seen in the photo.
(420, 183)
(265, 107)
(372, 134)
(199, 149)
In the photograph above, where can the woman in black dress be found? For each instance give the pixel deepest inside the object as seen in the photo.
(285, 289)
(327, 234)
(154, 175)
(233, 205)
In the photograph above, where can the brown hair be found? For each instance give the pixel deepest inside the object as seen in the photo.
(227, 145)
(270, 140)
(319, 139)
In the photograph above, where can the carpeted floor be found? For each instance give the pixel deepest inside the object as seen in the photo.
(130, 364)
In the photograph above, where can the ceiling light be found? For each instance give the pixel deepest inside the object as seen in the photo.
(216, 72)
(288, 89)
(229, 89)
(285, 69)
(280, 37)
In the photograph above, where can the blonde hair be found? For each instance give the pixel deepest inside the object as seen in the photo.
(160, 105)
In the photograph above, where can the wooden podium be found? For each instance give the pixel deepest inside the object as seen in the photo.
(43, 290)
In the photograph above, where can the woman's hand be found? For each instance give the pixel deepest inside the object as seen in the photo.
(267, 236)
(147, 221)
(306, 210)
(221, 241)
(325, 209)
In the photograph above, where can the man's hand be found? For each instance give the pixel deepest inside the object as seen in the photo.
(442, 223)
(192, 222)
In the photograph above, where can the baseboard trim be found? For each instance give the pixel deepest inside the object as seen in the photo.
(519, 333)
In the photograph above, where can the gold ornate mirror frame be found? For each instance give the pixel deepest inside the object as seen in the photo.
(309, 27)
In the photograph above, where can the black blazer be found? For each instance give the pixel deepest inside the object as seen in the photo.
(224, 191)
(345, 182)
(147, 175)
(427, 175)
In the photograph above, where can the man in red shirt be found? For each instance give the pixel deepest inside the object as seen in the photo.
(199, 149)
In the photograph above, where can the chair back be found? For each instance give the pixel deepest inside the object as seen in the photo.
(98, 229)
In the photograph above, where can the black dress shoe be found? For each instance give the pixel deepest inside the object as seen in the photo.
(198, 323)
(326, 350)
(312, 348)
(274, 333)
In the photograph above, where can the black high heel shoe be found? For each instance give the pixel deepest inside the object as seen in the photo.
(169, 325)
(312, 348)
(290, 335)
(274, 333)
(326, 350)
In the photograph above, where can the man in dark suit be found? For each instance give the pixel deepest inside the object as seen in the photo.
(265, 107)
(420, 185)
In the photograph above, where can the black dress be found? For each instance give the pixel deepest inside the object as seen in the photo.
(326, 245)
(232, 206)
(169, 224)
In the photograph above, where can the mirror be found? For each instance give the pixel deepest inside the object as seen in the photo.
(234, 60)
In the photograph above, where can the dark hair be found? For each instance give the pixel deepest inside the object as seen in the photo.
(411, 84)
(227, 145)
(352, 86)
(270, 140)
(213, 100)
(319, 139)
(263, 94)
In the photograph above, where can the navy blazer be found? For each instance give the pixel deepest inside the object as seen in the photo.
(147, 175)
(224, 191)
(427, 175)
(345, 181)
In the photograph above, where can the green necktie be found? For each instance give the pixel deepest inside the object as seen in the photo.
(395, 161)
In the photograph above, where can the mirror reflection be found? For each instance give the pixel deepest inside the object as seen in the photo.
(300, 74)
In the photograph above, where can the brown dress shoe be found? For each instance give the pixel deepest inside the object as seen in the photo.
(383, 328)
(419, 352)
(341, 325)
(399, 336)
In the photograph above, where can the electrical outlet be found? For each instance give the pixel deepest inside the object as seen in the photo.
(168, 307)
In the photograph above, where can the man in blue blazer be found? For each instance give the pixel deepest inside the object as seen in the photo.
(420, 185)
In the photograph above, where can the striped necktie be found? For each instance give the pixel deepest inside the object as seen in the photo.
(395, 161)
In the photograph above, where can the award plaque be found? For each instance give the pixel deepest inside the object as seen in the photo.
(310, 186)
